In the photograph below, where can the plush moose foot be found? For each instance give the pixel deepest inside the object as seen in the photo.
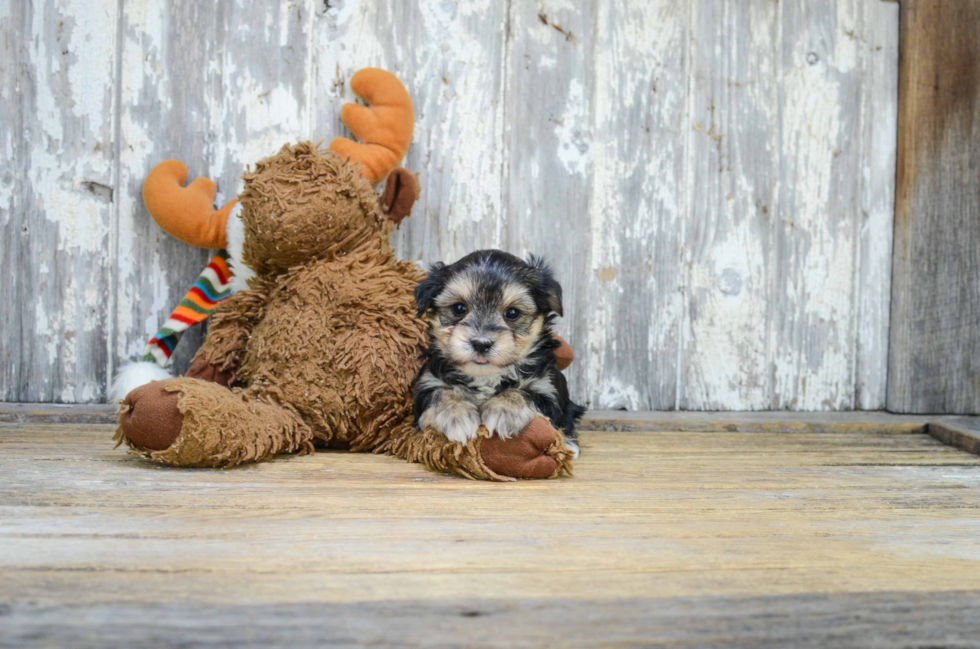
(149, 417)
(538, 452)
(190, 422)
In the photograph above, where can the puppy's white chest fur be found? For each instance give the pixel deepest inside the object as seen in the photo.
(479, 389)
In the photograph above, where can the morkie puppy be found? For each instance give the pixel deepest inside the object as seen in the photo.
(491, 357)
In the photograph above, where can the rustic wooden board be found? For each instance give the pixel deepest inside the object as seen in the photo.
(58, 413)
(56, 197)
(633, 297)
(850, 620)
(879, 142)
(934, 358)
(757, 535)
(782, 310)
(961, 432)
(716, 201)
(728, 348)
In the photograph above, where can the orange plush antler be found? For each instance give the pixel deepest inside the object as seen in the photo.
(385, 129)
(185, 213)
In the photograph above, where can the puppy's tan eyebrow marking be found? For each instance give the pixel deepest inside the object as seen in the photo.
(461, 288)
(517, 296)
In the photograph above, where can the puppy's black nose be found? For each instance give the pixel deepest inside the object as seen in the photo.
(481, 345)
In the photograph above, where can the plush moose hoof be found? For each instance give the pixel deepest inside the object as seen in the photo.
(152, 420)
(525, 456)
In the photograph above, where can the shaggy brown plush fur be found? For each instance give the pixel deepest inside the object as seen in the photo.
(322, 349)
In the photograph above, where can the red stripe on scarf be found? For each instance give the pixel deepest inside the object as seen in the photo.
(208, 302)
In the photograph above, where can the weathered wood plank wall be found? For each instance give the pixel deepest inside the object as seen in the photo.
(56, 198)
(712, 179)
(935, 337)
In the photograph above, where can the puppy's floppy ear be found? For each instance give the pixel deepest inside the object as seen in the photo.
(544, 286)
(430, 287)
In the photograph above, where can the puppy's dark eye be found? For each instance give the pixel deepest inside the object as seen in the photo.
(512, 314)
(458, 309)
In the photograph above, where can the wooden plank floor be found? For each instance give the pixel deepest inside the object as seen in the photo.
(809, 537)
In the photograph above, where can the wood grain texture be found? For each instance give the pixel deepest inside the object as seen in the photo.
(777, 530)
(934, 357)
(820, 620)
(785, 304)
(715, 200)
(59, 413)
(961, 432)
(56, 197)
(727, 352)
(635, 300)
(877, 160)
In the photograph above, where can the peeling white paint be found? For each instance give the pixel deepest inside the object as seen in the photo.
(474, 172)
(636, 211)
(615, 396)
(574, 131)
(65, 66)
(93, 48)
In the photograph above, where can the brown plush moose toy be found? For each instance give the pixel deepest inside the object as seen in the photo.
(321, 346)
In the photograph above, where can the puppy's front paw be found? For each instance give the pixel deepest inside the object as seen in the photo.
(460, 427)
(455, 418)
(506, 414)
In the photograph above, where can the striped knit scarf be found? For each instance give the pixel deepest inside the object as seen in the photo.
(212, 286)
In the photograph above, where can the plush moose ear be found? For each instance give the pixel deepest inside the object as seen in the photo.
(430, 287)
(401, 192)
(547, 290)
